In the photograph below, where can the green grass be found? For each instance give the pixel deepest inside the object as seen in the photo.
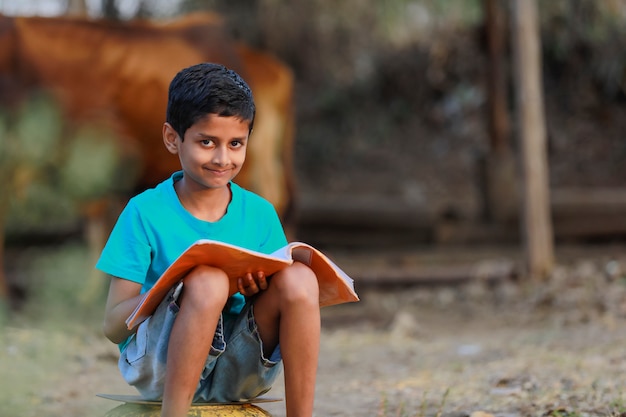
(57, 281)
(39, 342)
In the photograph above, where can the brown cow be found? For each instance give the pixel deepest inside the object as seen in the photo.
(118, 74)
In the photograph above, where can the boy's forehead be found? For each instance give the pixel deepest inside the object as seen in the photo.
(211, 121)
(209, 117)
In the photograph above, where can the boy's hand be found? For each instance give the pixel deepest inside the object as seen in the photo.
(251, 284)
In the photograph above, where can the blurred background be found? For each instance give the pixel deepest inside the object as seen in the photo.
(395, 142)
(405, 141)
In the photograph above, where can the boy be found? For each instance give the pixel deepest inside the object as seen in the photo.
(204, 343)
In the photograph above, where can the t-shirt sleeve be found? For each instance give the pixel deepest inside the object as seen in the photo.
(127, 252)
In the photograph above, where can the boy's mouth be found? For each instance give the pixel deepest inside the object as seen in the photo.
(219, 172)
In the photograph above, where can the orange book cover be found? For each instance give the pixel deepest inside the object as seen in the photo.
(336, 286)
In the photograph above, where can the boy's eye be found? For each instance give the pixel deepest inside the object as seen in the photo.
(236, 144)
(206, 142)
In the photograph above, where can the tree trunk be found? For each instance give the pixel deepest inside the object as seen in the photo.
(537, 225)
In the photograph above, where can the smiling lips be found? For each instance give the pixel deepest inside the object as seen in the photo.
(219, 172)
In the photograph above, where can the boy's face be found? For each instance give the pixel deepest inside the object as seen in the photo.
(213, 151)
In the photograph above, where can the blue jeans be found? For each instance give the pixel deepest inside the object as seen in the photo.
(235, 369)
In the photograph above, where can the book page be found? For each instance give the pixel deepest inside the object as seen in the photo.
(335, 285)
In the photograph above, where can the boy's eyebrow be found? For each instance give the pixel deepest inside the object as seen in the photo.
(204, 135)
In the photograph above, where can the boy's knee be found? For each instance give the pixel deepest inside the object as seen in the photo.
(205, 285)
(297, 283)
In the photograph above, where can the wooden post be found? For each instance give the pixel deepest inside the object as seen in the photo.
(537, 224)
(497, 102)
(500, 177)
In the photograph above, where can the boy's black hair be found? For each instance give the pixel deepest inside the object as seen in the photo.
(207, 88)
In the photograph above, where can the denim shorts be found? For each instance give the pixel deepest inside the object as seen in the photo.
(235, 369)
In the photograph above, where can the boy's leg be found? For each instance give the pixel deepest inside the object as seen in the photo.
(288, 311)
(204, 295)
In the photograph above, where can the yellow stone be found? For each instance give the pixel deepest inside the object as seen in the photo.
(209, 410)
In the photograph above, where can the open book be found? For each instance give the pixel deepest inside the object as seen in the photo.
(336, 286)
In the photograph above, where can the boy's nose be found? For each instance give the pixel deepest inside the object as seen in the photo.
(220, 157)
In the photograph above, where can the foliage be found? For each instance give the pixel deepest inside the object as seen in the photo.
(48, 167)
(29, 139)
(90, 164)
(586, 36)
(55, 279)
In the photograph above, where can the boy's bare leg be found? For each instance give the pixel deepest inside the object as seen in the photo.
(289, 311)
(205, 292)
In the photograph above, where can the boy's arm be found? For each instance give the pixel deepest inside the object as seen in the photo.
(124, 296)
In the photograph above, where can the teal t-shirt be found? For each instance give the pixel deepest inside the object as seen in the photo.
(154, 229)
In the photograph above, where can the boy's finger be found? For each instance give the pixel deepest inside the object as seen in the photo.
(250, 285)
(247, 285)
(262, 282)
(240, 286)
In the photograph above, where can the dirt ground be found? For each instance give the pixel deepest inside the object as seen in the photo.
(507, 348)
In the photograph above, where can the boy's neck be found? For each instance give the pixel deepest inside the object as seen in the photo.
(208, 204)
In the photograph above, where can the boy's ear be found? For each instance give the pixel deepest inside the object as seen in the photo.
(170, 136)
